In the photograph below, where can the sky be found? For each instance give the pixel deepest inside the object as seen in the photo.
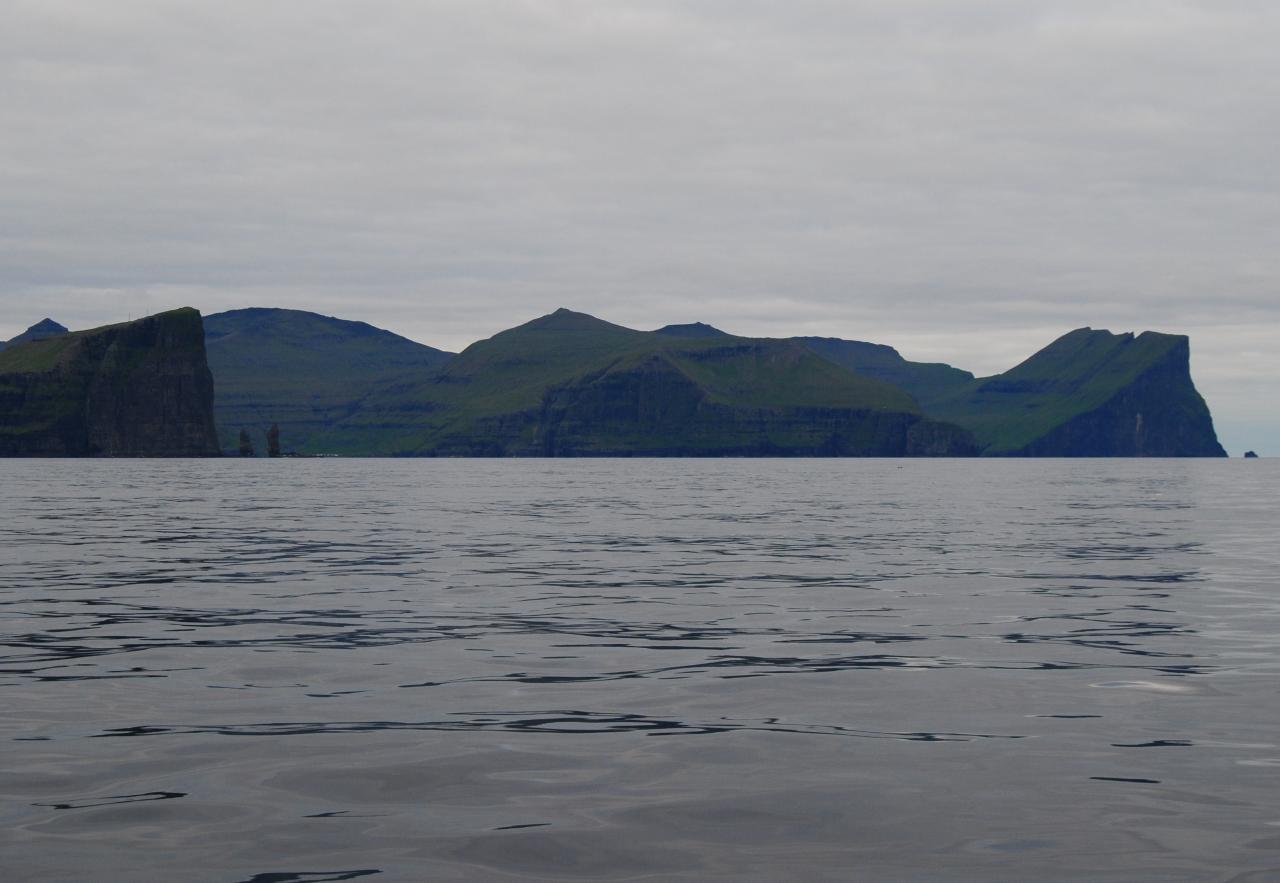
(963, 181)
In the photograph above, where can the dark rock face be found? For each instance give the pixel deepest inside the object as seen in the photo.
(1090, 393)
(1250, 455)
(1159, 414)
(246, 444)
(273, 441)
(138, 389)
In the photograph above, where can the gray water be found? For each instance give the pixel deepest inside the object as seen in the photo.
(307, 670)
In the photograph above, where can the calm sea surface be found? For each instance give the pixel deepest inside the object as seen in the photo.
(307, 670)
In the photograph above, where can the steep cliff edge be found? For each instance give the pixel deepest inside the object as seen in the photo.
(137, 389)
(1089, 394)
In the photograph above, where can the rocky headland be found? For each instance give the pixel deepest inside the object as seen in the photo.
(137, 389)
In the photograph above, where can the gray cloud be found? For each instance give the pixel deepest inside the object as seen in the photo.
(965, 181)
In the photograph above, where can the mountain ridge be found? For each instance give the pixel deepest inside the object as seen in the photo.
(535, 389)
(570, 384)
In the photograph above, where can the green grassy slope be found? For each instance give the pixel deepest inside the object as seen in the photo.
(516, 392)
(47, 348)
(505, 374)
(301, 370)
(924, 380)
(1066, 390)
(42, 407)
(35, 355)
(778, 373)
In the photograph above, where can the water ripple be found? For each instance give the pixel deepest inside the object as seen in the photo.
(892, 666)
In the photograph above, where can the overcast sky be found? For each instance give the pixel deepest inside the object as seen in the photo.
(964, 181)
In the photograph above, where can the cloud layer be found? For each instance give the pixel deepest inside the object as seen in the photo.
(965, 182)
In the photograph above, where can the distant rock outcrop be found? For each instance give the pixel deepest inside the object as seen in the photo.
(273, 441)
(245, 447)
(1250, 455)
(137, 389)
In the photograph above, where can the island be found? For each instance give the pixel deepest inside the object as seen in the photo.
(568, 384)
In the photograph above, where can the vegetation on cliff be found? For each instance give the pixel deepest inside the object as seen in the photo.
(139, 388)
(924, 380)
(301, 370)
(568, 384)
(1088, 394)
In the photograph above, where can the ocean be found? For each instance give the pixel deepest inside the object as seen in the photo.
(402, 670)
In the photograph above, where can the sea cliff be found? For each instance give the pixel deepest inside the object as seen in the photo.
(1090, 393)
(137, 389)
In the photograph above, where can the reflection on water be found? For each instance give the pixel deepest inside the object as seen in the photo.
(309, 876)
(115, 800)
(491, 670)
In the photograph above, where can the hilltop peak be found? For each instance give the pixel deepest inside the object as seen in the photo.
(692, 329)
(565, 319)
(47, 326)
(44, 328)
(562, 314)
